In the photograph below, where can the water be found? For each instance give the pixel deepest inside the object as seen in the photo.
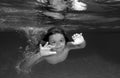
(99, 59)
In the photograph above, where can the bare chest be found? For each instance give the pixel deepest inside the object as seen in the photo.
(58, 57)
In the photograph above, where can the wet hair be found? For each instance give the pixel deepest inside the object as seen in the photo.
(55, 30)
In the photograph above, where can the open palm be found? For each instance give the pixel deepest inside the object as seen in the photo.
(77, 38)
(46, 50)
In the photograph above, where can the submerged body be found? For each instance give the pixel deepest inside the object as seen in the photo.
(57, 58)
(54, 51)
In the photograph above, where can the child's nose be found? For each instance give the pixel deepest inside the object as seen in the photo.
(58, 44)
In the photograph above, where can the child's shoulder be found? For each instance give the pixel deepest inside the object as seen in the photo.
(69, 45)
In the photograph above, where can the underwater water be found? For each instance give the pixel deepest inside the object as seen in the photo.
(99, 59)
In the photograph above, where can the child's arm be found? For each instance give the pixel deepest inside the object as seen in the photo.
(78, 42)
(25, 64)
(44, 51)
(34, 58)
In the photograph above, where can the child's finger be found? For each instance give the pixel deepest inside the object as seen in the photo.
(77, 34)
(50, 46)
(46, 44)
(40, 45)
(73, 37)
(49, 53)
(52, 52)
(80, 33)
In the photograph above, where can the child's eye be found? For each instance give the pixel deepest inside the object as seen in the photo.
(61, 40)
(52, 42)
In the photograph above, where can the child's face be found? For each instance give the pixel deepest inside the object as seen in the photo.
(58, 41)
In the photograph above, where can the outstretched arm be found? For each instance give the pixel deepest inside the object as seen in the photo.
(34, 58)
(77, 43)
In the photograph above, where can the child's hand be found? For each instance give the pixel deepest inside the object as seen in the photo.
(46, 50)
(78, 39)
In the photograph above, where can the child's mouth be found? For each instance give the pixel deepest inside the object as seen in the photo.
(56, 48)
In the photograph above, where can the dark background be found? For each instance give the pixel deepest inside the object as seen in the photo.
(99, 59)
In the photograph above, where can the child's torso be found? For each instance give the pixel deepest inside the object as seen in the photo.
(58, 57)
